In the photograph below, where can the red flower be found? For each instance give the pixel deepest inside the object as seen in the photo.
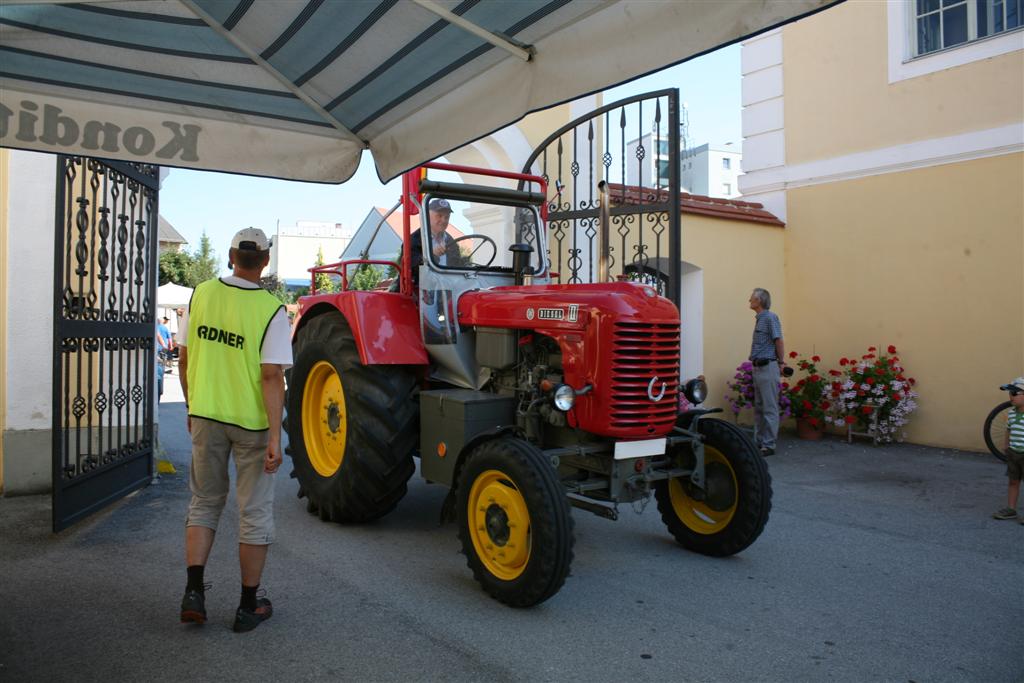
(835, 394)
(868, 356)
(803, 365)
(872, 349)
(793, 354)
(849, 419)
(815, 378)
(892, 349)
(785, 385)
(913, 381)
(869, 380)
(837, 386)
(825, 405)
(866, 410)
(896, 396)
(901, 378)
(844, 361)
(860, 393)
(807, 405)
(816, 359)
(801, 383)
(834, 373)
(813, 421)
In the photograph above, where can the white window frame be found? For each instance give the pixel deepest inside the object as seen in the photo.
(903, 64)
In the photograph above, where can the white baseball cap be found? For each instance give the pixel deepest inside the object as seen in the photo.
(1019, 383)
(252, 239)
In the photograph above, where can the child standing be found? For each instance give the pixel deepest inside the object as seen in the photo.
(1014, 448)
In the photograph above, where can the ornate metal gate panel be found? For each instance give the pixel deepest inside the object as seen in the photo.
(105, 276)
(623, 157)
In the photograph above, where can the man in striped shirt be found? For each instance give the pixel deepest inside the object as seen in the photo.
(1014, 449)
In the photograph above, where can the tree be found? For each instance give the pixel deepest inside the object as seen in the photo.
(324, 283)
(367, 276)
(275, 286)
(176, 267)
(206, 264)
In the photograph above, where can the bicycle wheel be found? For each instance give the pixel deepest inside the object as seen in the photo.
(995, 430)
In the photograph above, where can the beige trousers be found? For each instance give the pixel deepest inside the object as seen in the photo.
(212, 445)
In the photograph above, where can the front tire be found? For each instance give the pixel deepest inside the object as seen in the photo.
(732, 510)
(514, 522)
(352, 428)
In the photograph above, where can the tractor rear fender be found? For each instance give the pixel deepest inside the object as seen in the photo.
(385, 324)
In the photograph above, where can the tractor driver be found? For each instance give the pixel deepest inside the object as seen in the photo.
(446, 251)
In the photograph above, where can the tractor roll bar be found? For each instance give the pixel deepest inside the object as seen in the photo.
(414, 184)
(497, 195)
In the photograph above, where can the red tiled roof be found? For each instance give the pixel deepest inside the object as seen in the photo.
(695, 204)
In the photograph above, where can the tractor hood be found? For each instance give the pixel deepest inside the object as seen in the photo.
(563, 307)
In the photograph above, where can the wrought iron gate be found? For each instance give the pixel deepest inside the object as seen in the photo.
(105, 273)
(625, 156)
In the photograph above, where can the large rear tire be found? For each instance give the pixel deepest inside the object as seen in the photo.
(732, 510)
(352, 428)
(514, 522)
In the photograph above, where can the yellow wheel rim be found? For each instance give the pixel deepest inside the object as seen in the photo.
(696, 514)
(499, 525)
(324, 419)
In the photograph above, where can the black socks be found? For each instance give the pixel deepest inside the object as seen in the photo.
(195, 578)
(248, 601)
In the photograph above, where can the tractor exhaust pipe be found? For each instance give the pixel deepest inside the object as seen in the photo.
(603, 232)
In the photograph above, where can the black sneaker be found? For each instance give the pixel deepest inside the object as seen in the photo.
(765, 451)
(193, 607)
(247, 620)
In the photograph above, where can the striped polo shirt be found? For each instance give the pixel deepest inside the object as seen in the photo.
(1015, 428)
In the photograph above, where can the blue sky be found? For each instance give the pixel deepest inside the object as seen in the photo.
(220, 203)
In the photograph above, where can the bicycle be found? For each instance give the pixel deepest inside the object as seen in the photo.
(995, 426)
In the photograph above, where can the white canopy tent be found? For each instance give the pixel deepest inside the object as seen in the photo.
(170, 297)
(299, 89)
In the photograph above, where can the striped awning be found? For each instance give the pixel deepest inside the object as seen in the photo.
(299, 88)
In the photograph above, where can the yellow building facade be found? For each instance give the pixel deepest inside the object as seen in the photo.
(900, 176)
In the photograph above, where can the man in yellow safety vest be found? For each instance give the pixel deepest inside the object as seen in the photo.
(234, 348)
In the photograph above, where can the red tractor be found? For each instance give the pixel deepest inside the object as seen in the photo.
(522, 396)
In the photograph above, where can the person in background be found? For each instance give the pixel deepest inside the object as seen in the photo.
(165, 344)
(235, 346)
(1014, 448)
(767, 354)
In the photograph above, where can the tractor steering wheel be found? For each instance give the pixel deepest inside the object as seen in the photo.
(484, 239)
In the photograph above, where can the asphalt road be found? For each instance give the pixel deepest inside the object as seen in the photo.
(876, 564)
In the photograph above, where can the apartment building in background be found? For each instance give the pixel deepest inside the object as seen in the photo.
(295, 249)
(709, 170)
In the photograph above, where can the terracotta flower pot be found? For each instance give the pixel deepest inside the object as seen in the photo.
(805, 430)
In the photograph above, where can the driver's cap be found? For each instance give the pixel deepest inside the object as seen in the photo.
(440, 205)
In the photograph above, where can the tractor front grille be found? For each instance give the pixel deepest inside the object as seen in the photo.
(642, 353)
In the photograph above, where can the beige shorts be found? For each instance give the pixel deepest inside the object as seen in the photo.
(212, 445)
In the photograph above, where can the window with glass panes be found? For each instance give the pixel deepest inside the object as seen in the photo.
(942, 24)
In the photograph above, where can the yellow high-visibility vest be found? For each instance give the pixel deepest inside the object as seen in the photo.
(226, 327)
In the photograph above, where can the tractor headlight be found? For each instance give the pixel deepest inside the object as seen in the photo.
(696, 391)
(564, 397)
